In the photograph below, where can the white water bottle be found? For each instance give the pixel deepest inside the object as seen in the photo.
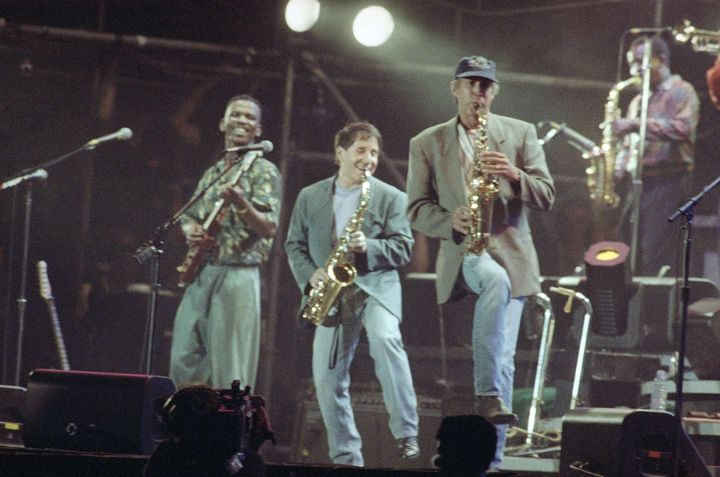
(658, 398)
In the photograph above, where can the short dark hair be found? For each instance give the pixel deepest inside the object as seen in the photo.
(186, 412)
(658, 45)
(354, 131)
(244, 97)
(467, 445)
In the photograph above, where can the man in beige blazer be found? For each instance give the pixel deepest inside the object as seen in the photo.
(508, 271)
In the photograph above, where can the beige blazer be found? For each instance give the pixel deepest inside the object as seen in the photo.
(435, 188)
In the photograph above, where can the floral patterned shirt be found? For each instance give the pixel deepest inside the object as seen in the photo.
(237, 244)
(673, 113)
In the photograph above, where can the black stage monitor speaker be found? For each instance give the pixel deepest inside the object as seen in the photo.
(88, 411)
(703, 337)
(591, 441)
(623, 442)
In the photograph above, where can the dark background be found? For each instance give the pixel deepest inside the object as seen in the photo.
(59, 87)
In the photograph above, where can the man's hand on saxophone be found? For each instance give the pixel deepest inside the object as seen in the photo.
(461, 220)
(497, 164)
(357, 242)
(319, 277)
(623, 126)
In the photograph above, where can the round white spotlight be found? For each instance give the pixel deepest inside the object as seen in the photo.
(373, 26)
(301, 15)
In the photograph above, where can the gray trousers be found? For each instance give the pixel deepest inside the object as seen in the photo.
(391, 368)
(216, 336)
(659, 240)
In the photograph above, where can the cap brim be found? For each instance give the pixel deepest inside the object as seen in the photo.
(477, 74)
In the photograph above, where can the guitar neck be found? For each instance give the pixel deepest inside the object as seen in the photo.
(57, 334)
(221, 204)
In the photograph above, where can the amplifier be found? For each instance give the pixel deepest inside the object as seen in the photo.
(89, 411)
(379, 446)
(624, 442)
(13, 406)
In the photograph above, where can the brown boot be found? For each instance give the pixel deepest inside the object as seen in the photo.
(494, 410)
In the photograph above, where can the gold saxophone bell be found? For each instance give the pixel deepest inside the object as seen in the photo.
(343, 273)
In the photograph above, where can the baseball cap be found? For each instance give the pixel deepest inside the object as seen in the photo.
(480, 66)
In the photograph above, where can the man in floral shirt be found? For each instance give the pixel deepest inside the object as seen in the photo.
(216, 336)
(669, 156)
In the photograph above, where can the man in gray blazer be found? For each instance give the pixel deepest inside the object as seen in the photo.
(382, 244)
(441, 158)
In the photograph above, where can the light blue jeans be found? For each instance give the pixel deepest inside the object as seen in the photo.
(496, 323)
(391, 368)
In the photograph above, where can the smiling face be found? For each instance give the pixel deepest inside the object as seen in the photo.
(472, 93)
(362, 154)
(241, 123)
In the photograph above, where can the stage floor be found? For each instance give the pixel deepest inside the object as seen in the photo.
(20, 461)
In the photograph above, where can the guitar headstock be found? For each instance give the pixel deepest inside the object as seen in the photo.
(44, 281)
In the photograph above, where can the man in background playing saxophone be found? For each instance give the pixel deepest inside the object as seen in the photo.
(379, 246)
(441, 161)
(669, 155)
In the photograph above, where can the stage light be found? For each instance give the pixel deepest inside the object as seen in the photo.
(373, 26)
(301, 15)
(608, 283)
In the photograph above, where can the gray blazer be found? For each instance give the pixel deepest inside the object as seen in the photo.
(389, 239)
(435, 188)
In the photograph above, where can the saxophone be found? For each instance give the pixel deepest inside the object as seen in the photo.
(482, 193)
(339, 267)
(601, 172)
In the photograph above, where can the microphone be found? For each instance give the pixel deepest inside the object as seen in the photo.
(635, 31)
(263, 146)
(122, 134)
(38, 175)
(575, 139)
(549, 135)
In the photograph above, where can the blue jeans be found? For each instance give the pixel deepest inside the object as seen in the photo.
(496, 322)
(391, 368)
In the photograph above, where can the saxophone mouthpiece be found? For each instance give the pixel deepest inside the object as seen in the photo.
(367, 170)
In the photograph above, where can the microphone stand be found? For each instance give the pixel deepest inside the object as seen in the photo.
(686, 210)
(151, 250)
(637, 175)
(14, 180)
(22, 300)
